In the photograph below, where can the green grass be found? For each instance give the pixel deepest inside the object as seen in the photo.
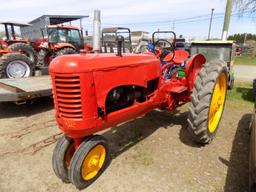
(245, 60)
(241, 94)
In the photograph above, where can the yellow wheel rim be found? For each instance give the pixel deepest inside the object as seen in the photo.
(217, 103)
(93, 162)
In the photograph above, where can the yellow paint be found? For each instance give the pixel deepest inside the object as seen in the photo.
(217, 103)
(93, 162)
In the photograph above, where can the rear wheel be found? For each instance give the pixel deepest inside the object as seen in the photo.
(25, 49)
(15, 65)
(44, 58)
(89, 161)
(66, 51)
(208, 100)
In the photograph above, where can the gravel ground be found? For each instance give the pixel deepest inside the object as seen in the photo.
(150, 154)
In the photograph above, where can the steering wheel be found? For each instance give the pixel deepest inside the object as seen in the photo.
(164, 51)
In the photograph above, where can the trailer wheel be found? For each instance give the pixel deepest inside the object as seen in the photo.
(61, 158)
(44, 58)
(66, 51)
(208, 101)
(25, 49)
(89, 161)
(15, 65)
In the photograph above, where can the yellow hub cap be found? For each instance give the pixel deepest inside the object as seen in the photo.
(93, 162)
(217, 102)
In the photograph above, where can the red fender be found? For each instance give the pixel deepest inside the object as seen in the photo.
(193, 67)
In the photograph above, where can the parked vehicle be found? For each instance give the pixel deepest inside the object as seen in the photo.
(95, 92)
(223, 50)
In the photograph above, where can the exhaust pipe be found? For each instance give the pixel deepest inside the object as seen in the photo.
(96, 31)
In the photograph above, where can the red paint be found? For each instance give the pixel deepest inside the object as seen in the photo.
(90, 77)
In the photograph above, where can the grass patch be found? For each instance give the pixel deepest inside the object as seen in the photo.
(245, 60)
(241, 94)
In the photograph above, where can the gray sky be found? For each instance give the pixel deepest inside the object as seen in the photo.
(139, 15)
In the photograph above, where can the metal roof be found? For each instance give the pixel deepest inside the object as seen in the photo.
(58, 19)
(15, 23)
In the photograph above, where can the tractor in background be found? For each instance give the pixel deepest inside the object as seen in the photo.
(15, 43)
(17, 56)
(223, 50)
(93, 92)
(62, 40)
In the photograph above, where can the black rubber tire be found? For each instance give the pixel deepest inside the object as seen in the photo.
(254, 90)
(85, 147)
(231, 84)
(26, 49)
(58, 158)
(201, 101)
(42, 54)
(10, 57)
(66, 51)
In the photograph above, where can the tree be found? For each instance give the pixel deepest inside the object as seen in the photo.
(245, 5)
(239, 38)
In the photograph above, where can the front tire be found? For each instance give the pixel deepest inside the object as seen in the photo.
(61, 158)
(89, 161)
(208, 101)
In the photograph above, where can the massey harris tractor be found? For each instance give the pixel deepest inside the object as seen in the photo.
(223, 50)
(62, 40)
(93, 92)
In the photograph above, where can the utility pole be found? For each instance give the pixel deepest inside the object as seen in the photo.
(173, 26)
(245, 37)
(227, 20)
(210, 26)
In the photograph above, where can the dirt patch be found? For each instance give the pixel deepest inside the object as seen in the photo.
(152, 153)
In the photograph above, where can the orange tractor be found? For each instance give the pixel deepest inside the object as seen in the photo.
(62, 40)
(17, 55)
(93, 92)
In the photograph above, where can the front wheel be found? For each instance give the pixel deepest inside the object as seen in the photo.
(89, 161)
(61, 158)
(208, 100)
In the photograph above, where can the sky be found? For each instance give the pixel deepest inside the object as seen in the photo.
(150, 15)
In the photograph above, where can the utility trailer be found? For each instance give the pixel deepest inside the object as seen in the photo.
(22, 90)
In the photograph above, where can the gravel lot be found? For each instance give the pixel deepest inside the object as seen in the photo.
(152, 153)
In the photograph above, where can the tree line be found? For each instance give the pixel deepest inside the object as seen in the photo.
(241, 37)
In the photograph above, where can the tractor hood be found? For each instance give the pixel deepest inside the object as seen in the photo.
(80, 63)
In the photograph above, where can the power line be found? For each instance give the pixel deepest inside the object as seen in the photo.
(176, 21)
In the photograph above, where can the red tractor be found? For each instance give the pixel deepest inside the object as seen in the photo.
(15, 43)
(93, 92)
(17, 57)
(62, 40)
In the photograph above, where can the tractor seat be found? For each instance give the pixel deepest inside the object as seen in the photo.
(179, 57)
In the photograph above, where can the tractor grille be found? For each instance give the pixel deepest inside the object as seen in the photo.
(68, 95)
